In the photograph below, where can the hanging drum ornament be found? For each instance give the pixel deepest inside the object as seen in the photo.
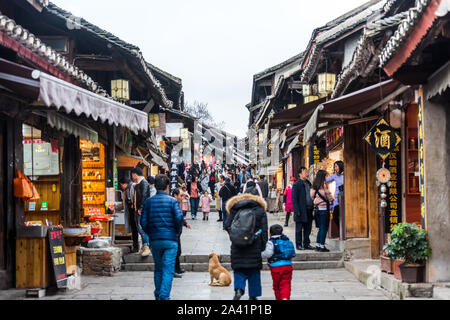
(383, 196)
(383, 188)
(383, 204)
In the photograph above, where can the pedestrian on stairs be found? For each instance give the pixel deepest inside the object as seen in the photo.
(179, 196)
(205, 204)
(322, 198)
(162, 220)
(289, 207)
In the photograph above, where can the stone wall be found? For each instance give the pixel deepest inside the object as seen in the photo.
(437, 162)
(99, 262)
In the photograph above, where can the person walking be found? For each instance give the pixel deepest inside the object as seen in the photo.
(141, 194)
(280, 251)
(252, 182)
(131, 220)
(264, 186)
(162, 221)
(151, 183)
(219, 198)
(205, 204)
(303, 210)
(194, 189)
(204, 180)
(289, 207)
(227, 192)
(338, 178)
(212, 183)
(321, 199)
(178, 195)
(184, 201)
(246, 259)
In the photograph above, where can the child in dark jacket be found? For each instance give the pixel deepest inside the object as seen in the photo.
(280, 251)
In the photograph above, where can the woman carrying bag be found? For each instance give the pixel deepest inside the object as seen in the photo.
(321, 200)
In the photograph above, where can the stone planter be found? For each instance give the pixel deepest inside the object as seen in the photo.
(387, 264)
(412, 273)
(396, 268)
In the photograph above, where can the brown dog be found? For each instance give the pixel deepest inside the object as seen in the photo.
(218, 272)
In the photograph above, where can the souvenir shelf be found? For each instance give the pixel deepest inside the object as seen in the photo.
(93, 177)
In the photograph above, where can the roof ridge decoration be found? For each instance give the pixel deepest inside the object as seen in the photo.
(111, 38)
(280, 65)
(165, 73)
(403, 31)
(30, 41)
(353, 69)
(329, 34)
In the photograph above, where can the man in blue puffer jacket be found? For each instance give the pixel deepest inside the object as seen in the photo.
(280, 251)
(162, 220)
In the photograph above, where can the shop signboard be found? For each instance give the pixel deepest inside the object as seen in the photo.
(333, 136)
(393, 212)
(56, 244)
(317, 152)
(40, 158)
(421, 159)
(382, 138)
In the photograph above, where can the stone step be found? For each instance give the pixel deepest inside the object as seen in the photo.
(203, 267)
(300, 256)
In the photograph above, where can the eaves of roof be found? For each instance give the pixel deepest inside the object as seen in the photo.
(130, 49)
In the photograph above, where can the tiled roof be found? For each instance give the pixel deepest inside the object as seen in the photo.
(131, 49)
(363, 52)
(164, 73)
(33, 43)
(404, 30)
(293, 59)
(335, 29)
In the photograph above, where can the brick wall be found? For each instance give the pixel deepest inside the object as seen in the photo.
(99, 262)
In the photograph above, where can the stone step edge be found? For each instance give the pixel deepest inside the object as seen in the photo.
(203, 267)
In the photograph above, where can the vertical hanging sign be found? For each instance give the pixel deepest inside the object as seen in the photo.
(394, 190)
(421, 159)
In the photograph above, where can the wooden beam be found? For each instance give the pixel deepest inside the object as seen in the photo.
(97, 65)
(337, 116)
(295, 85)
(265, 83)
(385, 100)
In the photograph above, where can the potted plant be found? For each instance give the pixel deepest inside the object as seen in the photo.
(409, 242)
(387, 265)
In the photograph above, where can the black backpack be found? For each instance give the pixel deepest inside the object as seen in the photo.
(242, 230)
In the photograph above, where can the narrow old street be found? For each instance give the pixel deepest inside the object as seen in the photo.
(322, 281)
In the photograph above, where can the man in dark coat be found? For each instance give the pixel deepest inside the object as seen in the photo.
(141, 193)
(162, 220)
(303, 207)
(264, 186)
(227, 192)
(246, 261)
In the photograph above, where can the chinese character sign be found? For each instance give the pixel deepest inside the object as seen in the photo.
(382, 138)
(421, 159)
(393, 214)
(56, 245)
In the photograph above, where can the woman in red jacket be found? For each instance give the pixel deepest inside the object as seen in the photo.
(289, 207)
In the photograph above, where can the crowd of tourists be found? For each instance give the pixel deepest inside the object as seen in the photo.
(241, 201)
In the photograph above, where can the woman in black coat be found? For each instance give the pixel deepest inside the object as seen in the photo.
(246, 262)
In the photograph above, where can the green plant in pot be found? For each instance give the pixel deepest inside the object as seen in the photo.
(409, 242)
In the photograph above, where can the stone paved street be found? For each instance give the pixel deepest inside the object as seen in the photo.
(203, 238)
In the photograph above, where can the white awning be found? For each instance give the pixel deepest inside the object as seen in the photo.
(66, 96)
(63, 123)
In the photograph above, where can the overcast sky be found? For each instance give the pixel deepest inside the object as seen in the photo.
(214, 46)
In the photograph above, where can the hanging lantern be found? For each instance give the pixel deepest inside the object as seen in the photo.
(120, 89)
(326, 82)
(154, 120)
(307, 90)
